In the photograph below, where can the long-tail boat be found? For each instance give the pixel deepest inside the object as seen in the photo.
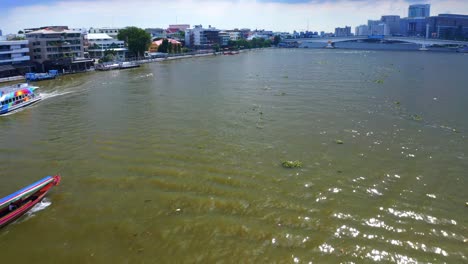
(17, 204)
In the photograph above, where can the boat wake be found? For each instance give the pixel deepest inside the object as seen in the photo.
(39, 206)
(46, 96)
(36, 208)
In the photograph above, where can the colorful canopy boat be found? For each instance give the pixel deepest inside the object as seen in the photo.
(17, 96)
(15, 205)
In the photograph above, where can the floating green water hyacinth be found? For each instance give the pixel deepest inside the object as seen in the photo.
(291, 164)
(416, 117)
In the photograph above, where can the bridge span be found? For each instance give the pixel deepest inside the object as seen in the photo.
(330, 41)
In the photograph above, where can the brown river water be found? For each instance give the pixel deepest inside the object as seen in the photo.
(180, 161)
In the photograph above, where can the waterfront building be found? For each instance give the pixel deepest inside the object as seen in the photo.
(224, 38)
(178, 27)
(58, 48)
(155, 45)
(100, 42)
(421, 10)
(378, 28)
(200, 37)
(0, 32)
(259, 35)
(393, 23)
(362, 30)
(448, 26)
(343, 32)
(14, 57)
(234, 34)
(413, 26)
(27, 30)
(111, 31)
(156, 32)
(245, 32)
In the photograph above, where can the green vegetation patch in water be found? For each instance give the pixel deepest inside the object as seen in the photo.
(291, 164)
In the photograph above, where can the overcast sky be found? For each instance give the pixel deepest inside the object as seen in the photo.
(277, 15)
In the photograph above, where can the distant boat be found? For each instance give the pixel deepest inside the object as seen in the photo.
(31, 76)
(17, 204)
(230, 52)
(17, 96)
(128, 65)
(106, 66)
(463, 49)
(116, 66)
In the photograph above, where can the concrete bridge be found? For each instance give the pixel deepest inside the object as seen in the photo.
(424, 42)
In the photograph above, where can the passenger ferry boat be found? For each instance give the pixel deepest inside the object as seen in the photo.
(17, 96)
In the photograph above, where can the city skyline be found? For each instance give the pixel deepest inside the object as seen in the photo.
(277, 15)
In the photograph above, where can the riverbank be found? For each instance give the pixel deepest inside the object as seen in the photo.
(12, 79)
(168, 58)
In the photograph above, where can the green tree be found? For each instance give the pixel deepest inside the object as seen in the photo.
(181, 34)
(20, 32)
(109, 55)
(137, 39)
(216, 47)
(164, 46)
(276, 40)
(170, 48)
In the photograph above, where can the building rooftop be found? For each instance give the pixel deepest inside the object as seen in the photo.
(98, 36)
(52, 31)
(172, 41)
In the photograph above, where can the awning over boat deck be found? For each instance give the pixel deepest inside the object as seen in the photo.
(6, 68)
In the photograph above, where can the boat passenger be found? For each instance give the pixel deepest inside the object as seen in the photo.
(12, 207)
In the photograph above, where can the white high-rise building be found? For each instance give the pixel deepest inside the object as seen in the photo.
(202, 37)
(362, 30)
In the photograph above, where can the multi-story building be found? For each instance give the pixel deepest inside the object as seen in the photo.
(343, 32)
(423, 10)
(393, 23)
(27, 30)
(234, 34)
(202, 37)
(362, 30)
(55, 43)
(378, 28)
(13, 53)
(413, 26)
(179, 27)
(0, 32)
(156, 32)
(57, 47)
(99, 43)
(224, 38)
(111, 31)
(448, 26)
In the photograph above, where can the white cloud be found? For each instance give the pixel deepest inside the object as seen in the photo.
(226, 14)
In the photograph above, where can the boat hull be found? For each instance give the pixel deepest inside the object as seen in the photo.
(17, 204)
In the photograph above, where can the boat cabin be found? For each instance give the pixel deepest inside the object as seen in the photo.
(17, 99)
